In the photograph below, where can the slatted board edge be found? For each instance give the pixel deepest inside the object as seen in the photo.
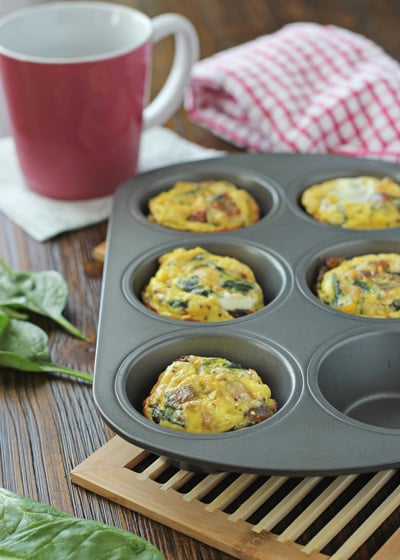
(110, 472)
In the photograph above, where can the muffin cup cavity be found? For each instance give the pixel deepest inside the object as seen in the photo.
(140, 370)
(260, 188)
(308, 268)
(335, 375)
(271, 272)
(358, 378)
(297, 188)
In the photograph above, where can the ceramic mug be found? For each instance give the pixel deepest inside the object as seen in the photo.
(76, 78)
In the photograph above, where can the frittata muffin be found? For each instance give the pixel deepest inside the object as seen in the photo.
(204, 395)
(354, 202)
(367, 285)
(206, 206)
(196, 285)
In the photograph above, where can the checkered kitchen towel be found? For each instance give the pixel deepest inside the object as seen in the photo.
(305, 88)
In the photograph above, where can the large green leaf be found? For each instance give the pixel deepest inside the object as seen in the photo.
(24, 346)
(35, 531)
(42, 292)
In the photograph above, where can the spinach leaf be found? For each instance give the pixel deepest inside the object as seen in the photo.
(30, 529)
(24, 346)
(337, 292)
(361, 284)
(4, 321)
(42, 292)
(168, 414)
(192, 285)
(188, 284)
(178, 304)
(243, 286)
(395, 305)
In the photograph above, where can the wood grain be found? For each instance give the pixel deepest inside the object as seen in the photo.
(49, 425)
(218, 508)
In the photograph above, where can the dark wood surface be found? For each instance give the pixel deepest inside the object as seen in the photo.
(49, 425)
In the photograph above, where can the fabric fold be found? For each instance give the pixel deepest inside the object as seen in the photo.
(305, 88)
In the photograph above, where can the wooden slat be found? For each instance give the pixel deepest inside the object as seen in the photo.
(369, 526)
(391, 548)
(177, 480)
(316, 508)
(258, 498)
(286, 505)
(349, 511)
(212, 528)
(204, 486)
(232, 492)
(154, 469)
(122, 485)
(110, 472)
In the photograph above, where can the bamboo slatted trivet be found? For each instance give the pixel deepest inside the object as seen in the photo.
(240, 513)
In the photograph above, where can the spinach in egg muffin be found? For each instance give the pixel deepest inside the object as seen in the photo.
(196, 285)
(202, 394)
(367, 285)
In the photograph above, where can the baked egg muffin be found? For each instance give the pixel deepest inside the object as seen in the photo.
(206, 206)
(367, 285)
(208, 395)
(196, 285)
(354, 202)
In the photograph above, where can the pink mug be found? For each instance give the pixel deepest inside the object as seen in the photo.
(76, 82)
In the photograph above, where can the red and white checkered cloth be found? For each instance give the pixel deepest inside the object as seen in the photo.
(305, 88)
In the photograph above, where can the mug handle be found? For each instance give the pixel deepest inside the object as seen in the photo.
(168, 99)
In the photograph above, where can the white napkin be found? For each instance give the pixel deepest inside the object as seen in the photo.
(43, 218)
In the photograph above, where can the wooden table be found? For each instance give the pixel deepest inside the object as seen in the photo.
(50, 425)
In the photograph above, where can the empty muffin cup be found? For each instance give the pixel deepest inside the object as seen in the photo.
(359, 378)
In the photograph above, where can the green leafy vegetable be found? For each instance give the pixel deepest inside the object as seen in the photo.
(30, 529)
(178, 304)
(243, 286)
(395, 305)
(337, 292)
(24, 346)
(169, 414)
(361, 284)
(43, 292)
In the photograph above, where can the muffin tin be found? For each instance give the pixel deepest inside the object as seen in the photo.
(335, 376)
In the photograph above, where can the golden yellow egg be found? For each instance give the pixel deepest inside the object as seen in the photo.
(196, 285)
(354, 202)
(206, 206)
(367, 285)
(202, 395)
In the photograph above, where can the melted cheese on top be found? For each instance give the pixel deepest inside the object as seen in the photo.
(206, 206)
(196, 285)
(355, 202)
(366, 285)
(208, 395)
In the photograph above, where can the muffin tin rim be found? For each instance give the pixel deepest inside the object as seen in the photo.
(294, 372)
(328, 463)
(297, 186)
(312, 372)
(306, 262)
(279, 262)
(268, 184)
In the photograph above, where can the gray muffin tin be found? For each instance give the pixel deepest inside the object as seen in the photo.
(335, 376)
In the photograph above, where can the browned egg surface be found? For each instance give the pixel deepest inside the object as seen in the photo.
(208, 395)
(206, 206)
(367, 285)
(196, 285)
(354, 202)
